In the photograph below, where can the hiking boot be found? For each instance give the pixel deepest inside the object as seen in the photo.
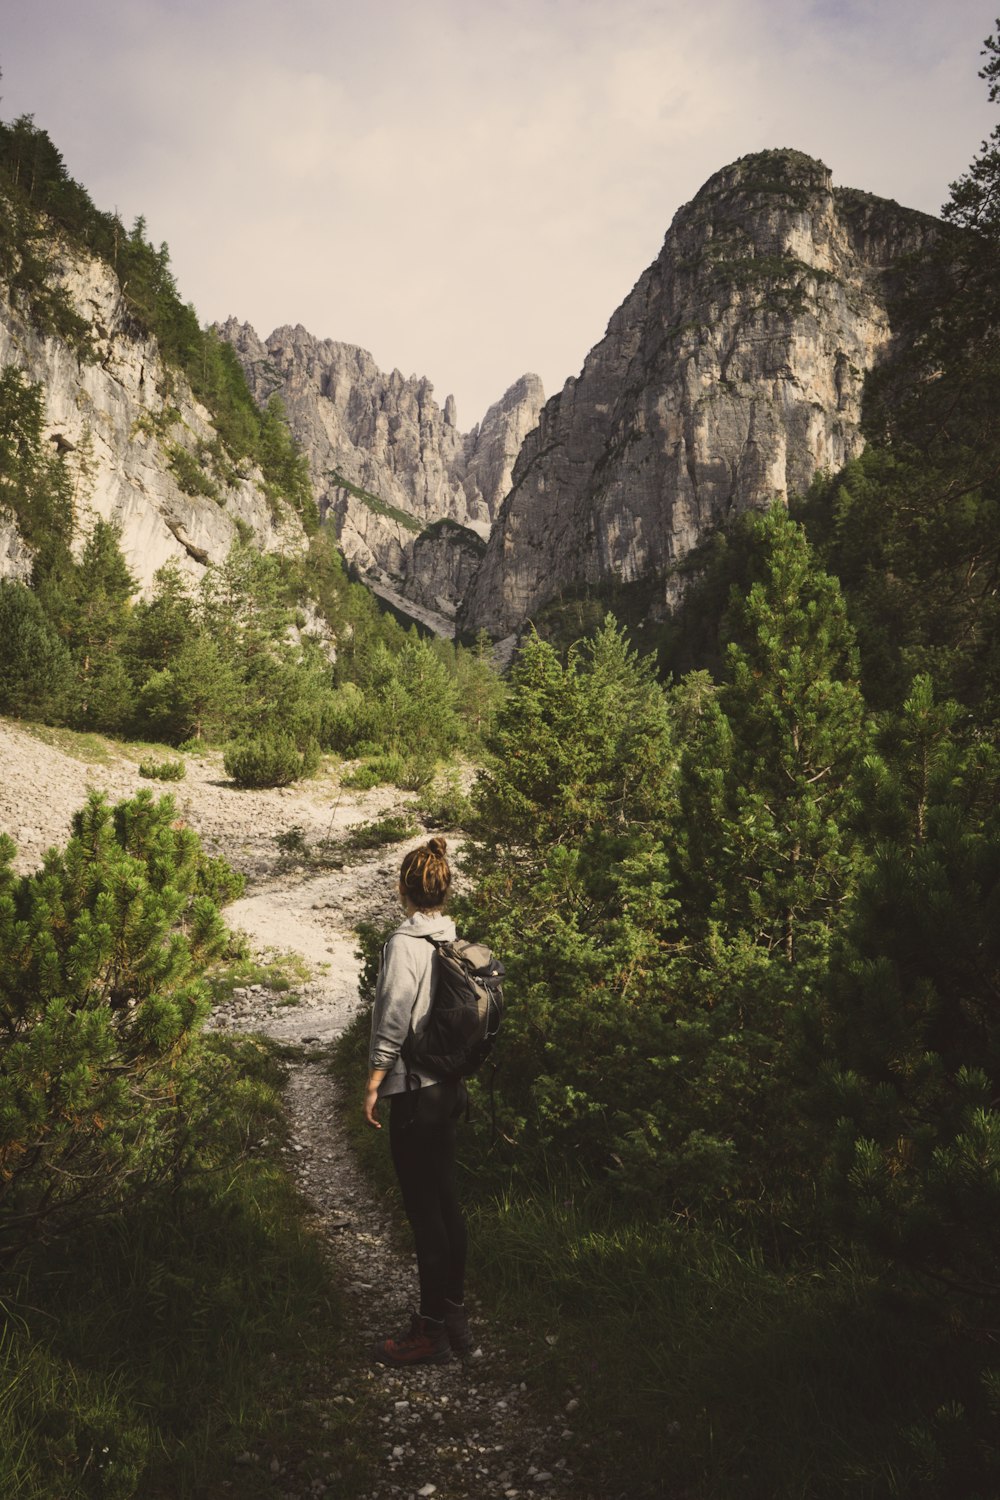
(456, 1323)
(424, 1342)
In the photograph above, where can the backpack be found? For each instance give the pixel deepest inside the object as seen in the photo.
(465, 1014)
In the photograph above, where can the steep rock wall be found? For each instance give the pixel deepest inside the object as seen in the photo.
(731, 374)
(114, 419)
(439, 566)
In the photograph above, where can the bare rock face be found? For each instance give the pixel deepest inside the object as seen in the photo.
(439, 566)
(16, 558)
(119, 423)
(491, 449)
(386, 460)
(731, 374)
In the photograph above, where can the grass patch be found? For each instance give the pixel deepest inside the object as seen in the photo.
(162, 770)
(279, 972)
(91, 748)
(694, 1357)
(389, 768)
(375, 770)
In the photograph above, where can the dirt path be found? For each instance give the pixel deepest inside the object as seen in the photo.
(461, 1431)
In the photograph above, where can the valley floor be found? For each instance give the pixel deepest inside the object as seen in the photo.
(457, 1431)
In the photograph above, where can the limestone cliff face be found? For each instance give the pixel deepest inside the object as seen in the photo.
(731, 374)
(386, 460)
(439, 566)
(120, 421)
(491, 449)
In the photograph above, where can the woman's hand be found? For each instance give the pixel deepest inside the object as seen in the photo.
(371, 1096)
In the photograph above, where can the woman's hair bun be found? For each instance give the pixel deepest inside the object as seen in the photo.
(424, 875)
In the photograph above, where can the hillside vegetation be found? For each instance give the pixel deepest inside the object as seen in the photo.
(41, 207)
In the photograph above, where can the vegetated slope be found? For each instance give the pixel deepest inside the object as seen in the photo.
(149, 415)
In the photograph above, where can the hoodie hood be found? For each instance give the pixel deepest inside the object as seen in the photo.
(424, 924)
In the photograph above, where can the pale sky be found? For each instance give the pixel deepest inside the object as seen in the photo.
(469, 188)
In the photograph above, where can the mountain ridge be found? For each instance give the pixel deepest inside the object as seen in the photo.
(730, 375)
(386, 460)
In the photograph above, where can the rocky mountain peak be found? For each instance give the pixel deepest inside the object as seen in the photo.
(730, 375)
(778, 171)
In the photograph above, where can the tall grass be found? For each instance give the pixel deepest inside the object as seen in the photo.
(142, 1356)
(707, 1370)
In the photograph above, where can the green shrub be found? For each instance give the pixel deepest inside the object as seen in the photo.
(162, 770)
(190, 475)
(393, 828)
(272, 760)
(141, 1355)
(312, 757)
(417, 773)
(349, 719)
(445, 805)
(375, 771)
(221, 884)
(292, 841)
(102, 958)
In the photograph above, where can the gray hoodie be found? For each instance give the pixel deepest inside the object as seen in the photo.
(403, 994)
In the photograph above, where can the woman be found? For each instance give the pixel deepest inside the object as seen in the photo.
(423, 1112)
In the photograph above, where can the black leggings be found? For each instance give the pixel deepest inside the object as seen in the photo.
(422, 1126)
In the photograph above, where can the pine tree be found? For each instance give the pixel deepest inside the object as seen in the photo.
(480, 690)
(572, 887)
(909, 1024)
(102, 957)
(160, 625)
(241, 604)
(764, 856)
(35, 666)
(197, 697)
(34, 485)
(96, 605)
(783, 846)
(286, 466)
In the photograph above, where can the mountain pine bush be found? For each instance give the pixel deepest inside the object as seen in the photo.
(270, 760)
(103, 953)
